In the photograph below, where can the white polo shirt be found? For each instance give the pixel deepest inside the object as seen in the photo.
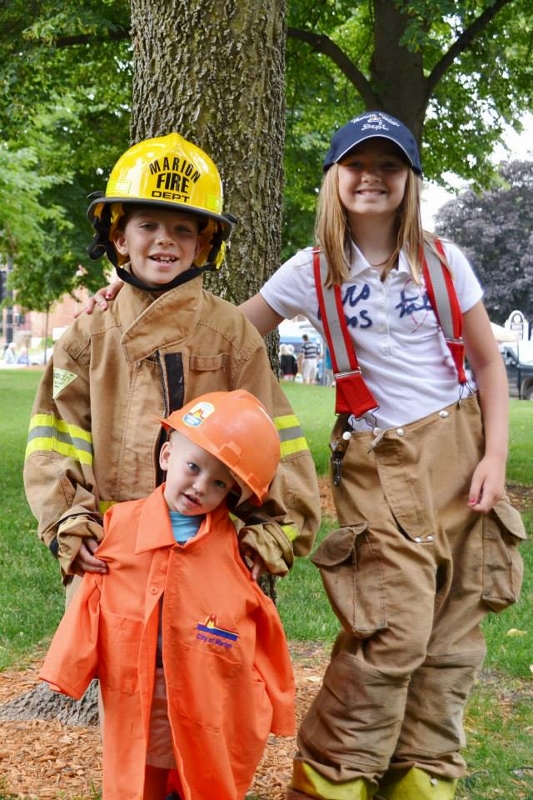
(401, 350)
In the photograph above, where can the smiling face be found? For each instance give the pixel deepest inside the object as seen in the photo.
(372, 179)
(160, 244)
(196, 481)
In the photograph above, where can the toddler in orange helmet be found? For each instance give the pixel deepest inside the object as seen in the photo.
(191, 655)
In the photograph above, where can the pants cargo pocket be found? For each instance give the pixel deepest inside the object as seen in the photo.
(503, 569)
(352, 576)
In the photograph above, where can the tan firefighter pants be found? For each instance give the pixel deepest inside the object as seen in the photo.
(411, 573)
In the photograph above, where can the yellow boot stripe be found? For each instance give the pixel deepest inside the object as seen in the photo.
(415, 782)
(290, 532)
(307, 780)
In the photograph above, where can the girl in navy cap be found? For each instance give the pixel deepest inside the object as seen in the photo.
(427, 540)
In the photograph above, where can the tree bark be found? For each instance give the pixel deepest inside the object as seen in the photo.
(214, 72)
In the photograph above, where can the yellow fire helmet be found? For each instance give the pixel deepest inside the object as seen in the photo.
(169, 172)
(235, 428)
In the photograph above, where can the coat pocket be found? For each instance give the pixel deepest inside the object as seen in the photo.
(352, 576)
(503, 569)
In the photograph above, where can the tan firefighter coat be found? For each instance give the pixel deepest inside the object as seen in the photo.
(94, 435)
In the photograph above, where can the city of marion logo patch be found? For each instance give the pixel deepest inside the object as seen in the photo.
(210, 632)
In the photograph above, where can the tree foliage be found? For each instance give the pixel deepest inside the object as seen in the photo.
(455, 72)
(64, 112)
(495, 230)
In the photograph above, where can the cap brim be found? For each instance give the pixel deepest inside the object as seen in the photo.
(376, 136)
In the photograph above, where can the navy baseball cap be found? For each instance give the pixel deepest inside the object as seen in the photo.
(368, 126)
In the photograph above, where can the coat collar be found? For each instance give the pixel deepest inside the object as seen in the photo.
(154, 529)
(166, 321)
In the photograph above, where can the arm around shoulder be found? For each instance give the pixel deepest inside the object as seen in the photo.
(260, 314)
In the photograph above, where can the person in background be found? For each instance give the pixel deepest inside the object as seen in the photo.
(310, 352)
(166, 341)
(10, 354)
(23, 356)
(288, 365)
(193, 662)
(329, 379)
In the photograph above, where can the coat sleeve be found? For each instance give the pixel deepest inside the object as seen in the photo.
(293, 501)
(72, 659)
(58, 468)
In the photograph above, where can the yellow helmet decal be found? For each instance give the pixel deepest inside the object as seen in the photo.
(170, 171)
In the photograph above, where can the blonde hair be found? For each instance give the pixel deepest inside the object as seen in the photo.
(333, 234)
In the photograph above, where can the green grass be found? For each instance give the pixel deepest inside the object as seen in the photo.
(520, 463)
(499, 716)
(315, 408)
(31, 598)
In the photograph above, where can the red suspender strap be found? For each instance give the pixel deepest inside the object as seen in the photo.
(352, 395)
(443, 298)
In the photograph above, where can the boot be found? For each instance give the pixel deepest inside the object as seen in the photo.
(358, 790)
(312, 785)
(415, 784)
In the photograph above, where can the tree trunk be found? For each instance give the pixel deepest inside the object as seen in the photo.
(41, 703)
(214, 72)
(397, 73)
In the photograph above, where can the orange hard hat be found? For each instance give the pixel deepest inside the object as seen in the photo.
(235, 428)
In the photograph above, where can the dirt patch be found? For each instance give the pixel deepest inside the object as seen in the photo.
(43, 760)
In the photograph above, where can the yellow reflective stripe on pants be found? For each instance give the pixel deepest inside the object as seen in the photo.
(48, 433)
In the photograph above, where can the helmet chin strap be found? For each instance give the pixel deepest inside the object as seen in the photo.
(183, 277)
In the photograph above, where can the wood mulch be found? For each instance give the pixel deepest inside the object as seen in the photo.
(47, 759)
(43, 760)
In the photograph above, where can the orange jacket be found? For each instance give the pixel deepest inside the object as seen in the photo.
(227, 667)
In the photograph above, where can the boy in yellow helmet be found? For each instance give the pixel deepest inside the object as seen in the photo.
(166, 341)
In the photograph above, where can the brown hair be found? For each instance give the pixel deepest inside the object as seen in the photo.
(333, 234)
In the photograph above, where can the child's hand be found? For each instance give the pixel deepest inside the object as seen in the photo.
(86, 561)
(101, 298)
(254, 562)
(270, 549)
(488, 484)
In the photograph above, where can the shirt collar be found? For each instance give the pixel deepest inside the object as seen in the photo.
(360, 264)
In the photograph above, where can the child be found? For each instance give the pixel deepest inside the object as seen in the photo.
(427, 544)
(166, 341)
(192, 659)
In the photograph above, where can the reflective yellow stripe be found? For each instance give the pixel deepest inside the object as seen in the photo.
(291, 435)
(103, 505)
(307, 780)
(49, 434)
(290, 532)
